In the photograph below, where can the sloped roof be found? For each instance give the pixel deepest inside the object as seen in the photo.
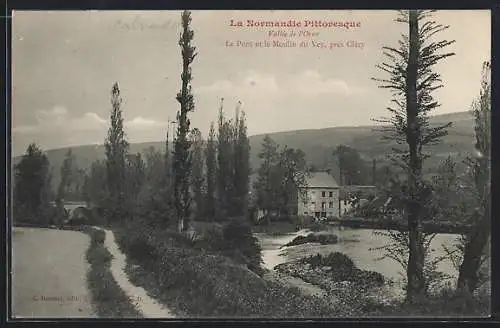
(322, 180)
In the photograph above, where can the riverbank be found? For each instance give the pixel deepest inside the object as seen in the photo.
(195, 283)
(371, 296)
(381, 224)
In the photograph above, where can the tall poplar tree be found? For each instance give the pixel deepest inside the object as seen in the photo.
(225, 165)
(211, 174)
(265, 188)
(182, 163)
(198, 177)
(116, 147)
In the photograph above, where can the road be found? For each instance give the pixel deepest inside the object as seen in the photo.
(49, 274)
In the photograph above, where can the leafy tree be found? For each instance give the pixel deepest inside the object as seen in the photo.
(241, 153)
(352, 166)
(198, 179)
(182, 163)
(412, 81)
(135, 178)
(67, 176)
(225, 186)
(293, 174)
(154, 202)
(211, 174)
(266, 185)
(476, 240)
(96, 189)
(32, 186)
(116, 148)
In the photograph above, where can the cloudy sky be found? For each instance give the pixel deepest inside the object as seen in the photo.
(65, 63)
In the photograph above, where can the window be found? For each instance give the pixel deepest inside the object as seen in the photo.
(323, 205)
(323, 194)
(313, 203)
(331, 205)
(305, 213)
(305, 203)
(331, 193)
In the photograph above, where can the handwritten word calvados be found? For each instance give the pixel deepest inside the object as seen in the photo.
(295, 23)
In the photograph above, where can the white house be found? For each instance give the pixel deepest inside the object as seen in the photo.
(321, 196)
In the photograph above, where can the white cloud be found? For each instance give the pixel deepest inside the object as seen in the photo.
(254, 84)
(140, 122)
(58, 121)
(308, 83)
(57, 118)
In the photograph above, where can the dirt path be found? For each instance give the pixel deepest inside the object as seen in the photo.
(49, 274)
(149, 307)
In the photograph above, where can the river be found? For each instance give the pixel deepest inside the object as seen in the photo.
(358, 244)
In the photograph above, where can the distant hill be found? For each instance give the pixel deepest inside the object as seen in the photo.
(317, 144)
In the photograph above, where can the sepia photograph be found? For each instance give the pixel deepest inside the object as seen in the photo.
(239, 164)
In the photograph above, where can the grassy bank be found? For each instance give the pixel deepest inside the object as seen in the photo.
(196, 283)
(108, 299)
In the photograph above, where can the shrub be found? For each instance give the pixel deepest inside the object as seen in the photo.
(236, 241)
(323, 239)
(344, 269)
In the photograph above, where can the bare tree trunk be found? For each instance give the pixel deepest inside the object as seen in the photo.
(415, 270)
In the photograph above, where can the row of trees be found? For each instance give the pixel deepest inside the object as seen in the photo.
(200, 179)
(412, 81)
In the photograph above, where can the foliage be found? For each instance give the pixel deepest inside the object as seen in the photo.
(476, 241)
(66, 176)
(323, 239)
(95, 186)
(328, 271)
(32, 190)
(182, 162)
(282, 176)
(241, 158)
(292, 173)
(265, 186)
(235, 240)
(116, 148)
(412, 81)
(135, 179)
(211, 174)
(200, 284)
(154, 203)
(233, 169)
(353, 167)
(198, 178)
